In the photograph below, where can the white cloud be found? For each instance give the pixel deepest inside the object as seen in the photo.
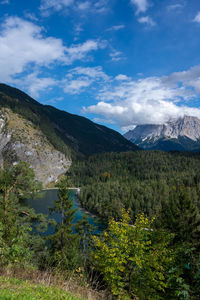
(94, 73)
(89, 6)
(35, 84)
(116, 55)
(116, 27)
(147, 20)
(55, 5)
(22, 44)
(176, 6)
(79, 51)
(189, 78)
(23, 47)
(149, 100)
(100, 6)
(141, 5)
(84, 5)
(76, 86)
(78, 79)
(122, 77)
(30, 16)
(197, 18)
(77, 31)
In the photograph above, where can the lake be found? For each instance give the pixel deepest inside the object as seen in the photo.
(46, 199)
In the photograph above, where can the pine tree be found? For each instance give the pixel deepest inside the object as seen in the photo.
(16, 184)
(64, 243)
(181, 216)
(84, 230)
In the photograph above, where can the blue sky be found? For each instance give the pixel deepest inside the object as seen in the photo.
(118, 62)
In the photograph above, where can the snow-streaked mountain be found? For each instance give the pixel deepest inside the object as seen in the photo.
(181, 134)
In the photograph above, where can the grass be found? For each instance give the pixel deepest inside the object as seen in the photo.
(17, 289)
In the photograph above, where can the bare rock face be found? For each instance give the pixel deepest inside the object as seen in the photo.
(21, 140)
(183, 131)
(186, 126)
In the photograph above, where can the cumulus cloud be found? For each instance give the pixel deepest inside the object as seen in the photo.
(122, 77)
(25, 53)
(147, 20)
(141, 5)
(197, 18)
(76, 86)
(79, 78)
(34, 83)
(22, 44)
(152, 100)
(189, 78)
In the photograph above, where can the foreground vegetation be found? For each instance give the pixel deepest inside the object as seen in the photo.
(17, 289)
(150, 248)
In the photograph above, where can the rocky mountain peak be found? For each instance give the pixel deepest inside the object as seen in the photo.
(145, 136)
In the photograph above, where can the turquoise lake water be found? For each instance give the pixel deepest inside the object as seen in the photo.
(46, 199)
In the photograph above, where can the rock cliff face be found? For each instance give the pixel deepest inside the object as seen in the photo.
(181, 134)
(22, 140)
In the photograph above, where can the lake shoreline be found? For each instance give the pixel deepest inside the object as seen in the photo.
(78, 202)
(86, 211)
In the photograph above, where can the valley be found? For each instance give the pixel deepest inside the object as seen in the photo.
(125, 189)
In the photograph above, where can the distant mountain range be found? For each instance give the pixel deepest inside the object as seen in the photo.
(182, 134)
(48, 138)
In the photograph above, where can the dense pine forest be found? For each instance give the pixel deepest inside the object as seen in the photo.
(142, 181)
(162, 186)
(150, 204)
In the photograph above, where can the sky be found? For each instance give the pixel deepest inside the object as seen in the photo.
(119, 63)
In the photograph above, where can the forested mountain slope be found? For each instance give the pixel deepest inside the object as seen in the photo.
(68, 133)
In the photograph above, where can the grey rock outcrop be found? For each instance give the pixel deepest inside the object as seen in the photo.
(20, 140)
(183, 129)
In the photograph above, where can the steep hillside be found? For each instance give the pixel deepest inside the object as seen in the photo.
(182, 134)
(21, 140)
(68, 133)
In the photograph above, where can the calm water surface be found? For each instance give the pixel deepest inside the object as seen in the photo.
(46, 200)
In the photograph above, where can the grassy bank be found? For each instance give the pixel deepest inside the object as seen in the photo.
(18, 289)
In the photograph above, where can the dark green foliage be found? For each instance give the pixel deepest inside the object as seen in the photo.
(140, 181)
(181, 215)
(85, 231)
(71, 134)
(64, 249)
(164, 185)
(16, 243)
